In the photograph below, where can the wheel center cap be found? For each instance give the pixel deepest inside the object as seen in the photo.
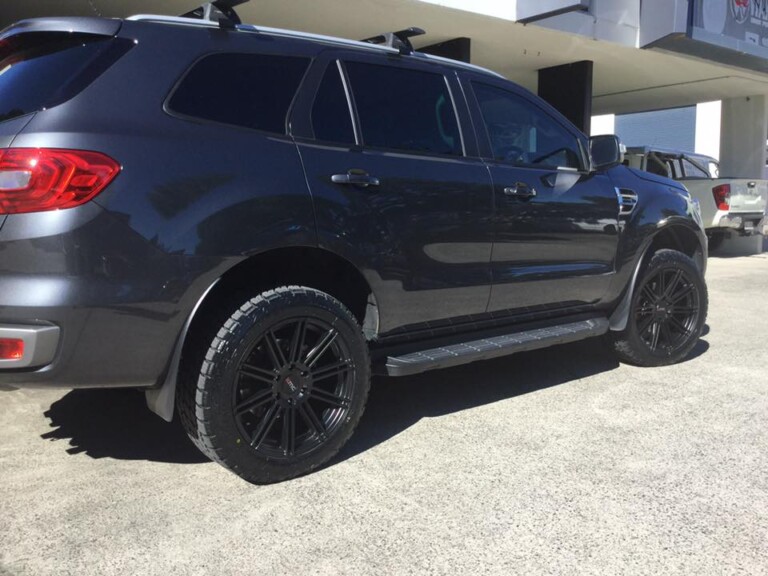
(292, 388)
(293, 385)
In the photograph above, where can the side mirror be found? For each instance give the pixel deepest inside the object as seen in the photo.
(605, 152)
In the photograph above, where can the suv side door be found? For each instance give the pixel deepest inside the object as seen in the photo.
(399, 190)
(556, 224)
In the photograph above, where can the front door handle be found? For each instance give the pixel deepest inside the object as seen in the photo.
(355, 178)
(520, 190)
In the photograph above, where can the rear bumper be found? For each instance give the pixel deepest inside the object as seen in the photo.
(37, 348)
(745, 222)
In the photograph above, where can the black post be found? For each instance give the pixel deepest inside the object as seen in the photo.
(569, 89)
(456, 49)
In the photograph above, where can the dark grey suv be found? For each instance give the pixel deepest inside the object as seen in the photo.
(246, 222)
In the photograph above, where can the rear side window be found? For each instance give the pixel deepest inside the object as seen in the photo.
(39, 70)
(693, 171)
(248, 90)
(331, 118)
(404, 109)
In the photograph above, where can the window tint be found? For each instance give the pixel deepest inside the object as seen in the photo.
(404, 109)
(36, 68)
(331, 118)
(523, 134)
(693, 171)
(250, 90)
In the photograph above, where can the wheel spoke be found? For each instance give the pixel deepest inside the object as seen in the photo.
(655, 330)
(275, 352)
(329, 398)
(686, 290)
(252, 402)
(297, 341)
(642, 328)
(316, 353)
(649, 293)
(312, 421)
(679, 325)
(672, 284)
(265, 425)
(666, 333)
(256, 373)
(686, 310)
(288, 438)
(333, 370)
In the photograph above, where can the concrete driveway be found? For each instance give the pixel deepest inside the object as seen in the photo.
(555, 462)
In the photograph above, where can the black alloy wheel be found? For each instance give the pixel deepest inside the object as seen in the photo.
(668, 311)
(294, 388)
(281, 386)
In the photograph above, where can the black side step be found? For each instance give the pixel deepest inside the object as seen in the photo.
(494, 347)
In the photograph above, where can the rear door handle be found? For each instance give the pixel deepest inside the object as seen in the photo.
(355, 179)
(520, 190)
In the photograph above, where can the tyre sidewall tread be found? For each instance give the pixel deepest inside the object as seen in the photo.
(216, 427)
(627, 343)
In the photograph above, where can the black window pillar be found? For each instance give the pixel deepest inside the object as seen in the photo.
(569, 89)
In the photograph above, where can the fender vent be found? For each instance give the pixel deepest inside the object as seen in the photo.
(627, 201)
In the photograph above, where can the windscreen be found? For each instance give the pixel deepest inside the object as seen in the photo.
(40, 69)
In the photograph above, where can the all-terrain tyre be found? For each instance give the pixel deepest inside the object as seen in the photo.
(281, 387)
(667, 314)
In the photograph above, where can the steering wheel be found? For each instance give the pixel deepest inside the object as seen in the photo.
(514, 154)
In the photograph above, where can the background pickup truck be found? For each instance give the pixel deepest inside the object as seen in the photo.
(727, 204)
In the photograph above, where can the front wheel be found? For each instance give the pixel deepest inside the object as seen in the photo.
(282, 385)
(669, 308)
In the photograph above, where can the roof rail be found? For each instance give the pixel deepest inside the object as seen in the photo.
(219, 11)
(399, 40)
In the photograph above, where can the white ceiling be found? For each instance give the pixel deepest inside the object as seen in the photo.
(625, 79)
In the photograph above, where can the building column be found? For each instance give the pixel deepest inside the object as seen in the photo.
(743, 132)
(569, 89)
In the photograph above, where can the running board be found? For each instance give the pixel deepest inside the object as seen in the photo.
(487, 348)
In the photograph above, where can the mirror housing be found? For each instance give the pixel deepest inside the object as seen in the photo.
(605, 152)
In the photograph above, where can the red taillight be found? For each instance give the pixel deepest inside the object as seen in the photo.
(40, 179)
(11, 349)
(722, 196)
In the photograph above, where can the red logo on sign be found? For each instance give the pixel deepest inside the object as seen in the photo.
(740, 10)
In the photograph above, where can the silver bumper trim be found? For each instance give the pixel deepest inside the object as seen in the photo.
(40, 344)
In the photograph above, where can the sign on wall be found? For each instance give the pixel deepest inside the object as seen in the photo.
(740, 25)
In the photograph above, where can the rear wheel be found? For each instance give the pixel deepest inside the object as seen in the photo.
(669, 308)
(282, 385)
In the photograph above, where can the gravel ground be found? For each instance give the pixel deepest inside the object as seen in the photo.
(560, 461)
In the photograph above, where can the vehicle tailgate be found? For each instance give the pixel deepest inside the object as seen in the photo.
(746, 195)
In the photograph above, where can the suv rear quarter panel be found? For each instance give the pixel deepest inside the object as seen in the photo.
(193, 199)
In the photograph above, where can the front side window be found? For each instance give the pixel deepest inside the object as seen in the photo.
(404, 109)
(522, 134)
(249, 90)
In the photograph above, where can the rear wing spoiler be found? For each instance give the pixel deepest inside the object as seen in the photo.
(96, 26)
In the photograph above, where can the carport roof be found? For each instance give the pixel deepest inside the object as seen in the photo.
(625, 79)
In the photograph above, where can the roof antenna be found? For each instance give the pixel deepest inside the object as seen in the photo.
(219, 11)
(399, 40)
